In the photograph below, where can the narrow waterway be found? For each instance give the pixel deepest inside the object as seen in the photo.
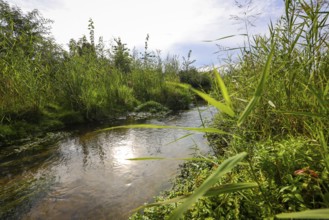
(88, 176)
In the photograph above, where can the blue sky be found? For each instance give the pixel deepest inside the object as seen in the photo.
(174, 26)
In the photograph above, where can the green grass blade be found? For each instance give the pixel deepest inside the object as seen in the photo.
(147, 158)
(221, 38)
(169, 201)
(307, 114)
(322, 103)
(288, 2)
(230, 49)
(224, 167)
(222, 87)
(229, 188)
(251, 105)
(220, 106)
(178, 139)
(309, 214)
(179, 158)
(225, 37)
(153, 126)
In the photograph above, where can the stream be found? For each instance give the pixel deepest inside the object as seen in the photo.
(86, 175)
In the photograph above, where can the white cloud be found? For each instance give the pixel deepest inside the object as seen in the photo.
(44, 5)
(169, 23)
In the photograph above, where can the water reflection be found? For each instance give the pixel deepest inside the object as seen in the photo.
(91, 177)
(22, 177)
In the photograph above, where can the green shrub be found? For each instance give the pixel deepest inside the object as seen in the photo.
(199, 80)
(290, 173)
(152, 107)
(177, 99)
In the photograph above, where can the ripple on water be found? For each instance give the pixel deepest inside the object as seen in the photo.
(89, 176)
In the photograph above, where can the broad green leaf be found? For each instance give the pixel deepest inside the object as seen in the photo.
(322, 103)
(222, 87)
(178, 139)
(147, 158)
(165, 158)
(205, 130)
(220, 106)
(225, 37)
(229, 188)
(309, 214)
(255, 99)
(223, 168)
(251, 105)
(298, 35)
(169, 201)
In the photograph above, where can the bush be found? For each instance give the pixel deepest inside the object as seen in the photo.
(290, 173)
(152, 107)
(177, 99)
(198, 80)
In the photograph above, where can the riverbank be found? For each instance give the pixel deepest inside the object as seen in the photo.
(56, 119)
(44, 87)
(290, 175)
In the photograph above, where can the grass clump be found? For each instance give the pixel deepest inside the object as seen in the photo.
(152, 107)
(274, 106)
(46, 87)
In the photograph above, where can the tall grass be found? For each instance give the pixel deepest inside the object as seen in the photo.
(40, 82)
(279, 94)
(294, 103)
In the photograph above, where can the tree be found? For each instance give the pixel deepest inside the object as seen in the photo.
(187, 62)
(121, 56)
(21, 32)
(29, 60)
(147, 56)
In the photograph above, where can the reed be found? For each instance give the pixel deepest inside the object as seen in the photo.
(279, 94)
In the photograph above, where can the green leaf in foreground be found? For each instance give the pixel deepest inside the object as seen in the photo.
(222, 87)
(180, 138)
(208, 130)
(225, 37)
(220, 106)
(147, 158)
(169, 201)
(224, 167)
(309, 214)
(205, 159)
(227, 188)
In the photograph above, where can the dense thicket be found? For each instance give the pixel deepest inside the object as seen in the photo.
(43, 86)
(286, 134)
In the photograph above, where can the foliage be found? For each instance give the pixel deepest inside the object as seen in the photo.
(274, 105)
(281, 187)
(150, 106)
(280, 97)
(121, 57)
(190, 75)
(199, 80)
(89, 82)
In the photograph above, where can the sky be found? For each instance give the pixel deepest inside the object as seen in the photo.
(174, 26)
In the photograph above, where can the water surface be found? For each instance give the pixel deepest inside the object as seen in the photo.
(88, 176)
